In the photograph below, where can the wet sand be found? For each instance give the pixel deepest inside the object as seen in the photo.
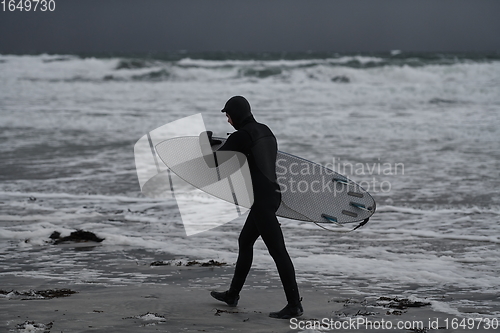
(180, 302)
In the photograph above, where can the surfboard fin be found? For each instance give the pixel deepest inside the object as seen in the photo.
(361, 206)
(330, 218)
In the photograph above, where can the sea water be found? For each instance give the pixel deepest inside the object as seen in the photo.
(420, 132)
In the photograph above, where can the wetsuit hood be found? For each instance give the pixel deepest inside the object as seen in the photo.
(239, 110)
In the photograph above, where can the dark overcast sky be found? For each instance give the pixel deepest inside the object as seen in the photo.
(254, 25)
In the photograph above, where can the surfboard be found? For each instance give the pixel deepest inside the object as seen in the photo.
(310, 192)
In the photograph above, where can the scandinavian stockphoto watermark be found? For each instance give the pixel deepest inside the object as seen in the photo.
(176, 161)
(304, 177)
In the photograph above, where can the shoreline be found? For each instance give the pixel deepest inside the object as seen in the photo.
(181, 303)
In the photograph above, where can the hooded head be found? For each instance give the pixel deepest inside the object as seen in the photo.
(238, 109)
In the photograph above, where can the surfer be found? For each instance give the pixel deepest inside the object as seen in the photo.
(258, 143)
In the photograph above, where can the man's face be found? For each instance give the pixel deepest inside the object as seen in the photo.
(229, 120)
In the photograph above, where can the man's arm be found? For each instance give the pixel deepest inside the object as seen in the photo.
(239, 141)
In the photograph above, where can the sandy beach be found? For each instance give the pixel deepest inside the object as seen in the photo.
(176, 299)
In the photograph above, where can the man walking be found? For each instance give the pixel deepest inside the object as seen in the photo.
(258, 143)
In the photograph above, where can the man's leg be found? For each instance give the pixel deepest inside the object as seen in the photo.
(246, 240)
(271, 234)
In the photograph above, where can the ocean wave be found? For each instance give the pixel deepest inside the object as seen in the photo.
(438, 210)
(70, 123)
(156, 75)
(58, 58)
(134, 64)
(363, 69)
(260, 73)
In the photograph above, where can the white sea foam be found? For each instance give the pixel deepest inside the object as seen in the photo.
(69, 125)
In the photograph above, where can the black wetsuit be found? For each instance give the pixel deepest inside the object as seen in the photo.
(259, 144)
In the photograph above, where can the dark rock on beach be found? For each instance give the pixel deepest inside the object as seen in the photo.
(37, 294)
(31, 326)
(206, 264)
(209, 263)
(393, 305)
(76, 236)
(400, 303)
